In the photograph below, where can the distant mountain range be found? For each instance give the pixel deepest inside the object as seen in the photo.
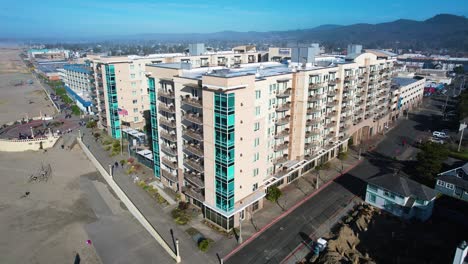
(441, 31)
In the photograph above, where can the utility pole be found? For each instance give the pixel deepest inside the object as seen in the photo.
(32, 132)
(178, 258)
(240, 240)
(462, 128)
(359, 155)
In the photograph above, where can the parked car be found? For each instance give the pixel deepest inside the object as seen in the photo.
(439, 134)
(437, 140)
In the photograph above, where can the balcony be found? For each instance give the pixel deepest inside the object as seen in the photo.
(194, 134)
(284, 107)
(194, 149)
(284, 94)
(280, 160)
(313, 86)
(169, 163)
(313, 132)
(346, 118)
(312, 145)
(282, 146)
(167, 122)
(166, 108)
(195, 193)
(171, 151)
(167, 136)
(166, 174)
(315, 97)
(330, 125)
(313, 121)
(194, 118)
(193, 102)
(332, 92)
(282, 121)
(331, 114)
(194, 179)
(193, 164)
(312, 110)
(282, 134)
(333, 82)
(167, 94)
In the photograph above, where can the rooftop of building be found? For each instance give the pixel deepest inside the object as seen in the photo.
(259, 70)
(381, 53)
(50, 66)
(457, 176)
(81, 68)
(403, 186)
(402, 81)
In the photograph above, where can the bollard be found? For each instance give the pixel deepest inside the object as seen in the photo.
(178, 259)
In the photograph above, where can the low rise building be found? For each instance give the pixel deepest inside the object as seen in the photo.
(79, 83)
(407, 93)
(454, 182)
(401, 196)
(48, 54)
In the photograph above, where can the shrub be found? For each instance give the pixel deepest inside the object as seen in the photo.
(130, 160)
(122, 162)
(273, 194)
(180, 216)
(343, 155)
(204, 245)
(91, 124)
(183, 205)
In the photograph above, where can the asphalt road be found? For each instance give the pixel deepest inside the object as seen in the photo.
(274, 244)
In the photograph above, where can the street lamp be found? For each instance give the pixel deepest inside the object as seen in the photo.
(240, 240)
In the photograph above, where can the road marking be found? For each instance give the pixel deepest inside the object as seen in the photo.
(294, 207)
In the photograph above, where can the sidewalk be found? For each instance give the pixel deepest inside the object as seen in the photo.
(153, 212)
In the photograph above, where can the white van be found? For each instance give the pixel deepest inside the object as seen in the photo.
(439, 134)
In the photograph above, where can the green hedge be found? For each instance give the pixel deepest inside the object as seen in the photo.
(459, 155)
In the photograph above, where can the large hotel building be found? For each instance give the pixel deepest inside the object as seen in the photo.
(223, 135)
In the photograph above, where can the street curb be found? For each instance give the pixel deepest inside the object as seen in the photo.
(281, 216)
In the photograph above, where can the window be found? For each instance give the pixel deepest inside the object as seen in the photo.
(255, 206)
(258, 94)
(134, 93)
(372, 187)
(257, 126)
(441, 183)
(450, 186)
(389, 194)
(135, 119)
(254, 187)
(256, 156)
(372, 198)
(135, 101)
(255, 172)
(135, 110)
(133, 84)
(132, 66)
(256, 142)
(242, 215)
(132, 76)
(257, 110)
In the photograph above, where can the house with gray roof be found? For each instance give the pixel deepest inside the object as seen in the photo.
(454, 183)
(401, 196)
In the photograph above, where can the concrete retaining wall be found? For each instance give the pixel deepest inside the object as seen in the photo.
(124, 198)
(27, 144)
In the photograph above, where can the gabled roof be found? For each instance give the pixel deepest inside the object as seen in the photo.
(457, 176)
(403, 186)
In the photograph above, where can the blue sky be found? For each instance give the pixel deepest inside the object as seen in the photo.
(36, 18)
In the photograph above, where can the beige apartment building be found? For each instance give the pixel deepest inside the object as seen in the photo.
(122, 88)
(222, 136)
(406, 94)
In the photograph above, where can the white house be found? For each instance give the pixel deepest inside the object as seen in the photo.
(401, 196)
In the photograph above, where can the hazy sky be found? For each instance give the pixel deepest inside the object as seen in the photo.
(43, 18)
